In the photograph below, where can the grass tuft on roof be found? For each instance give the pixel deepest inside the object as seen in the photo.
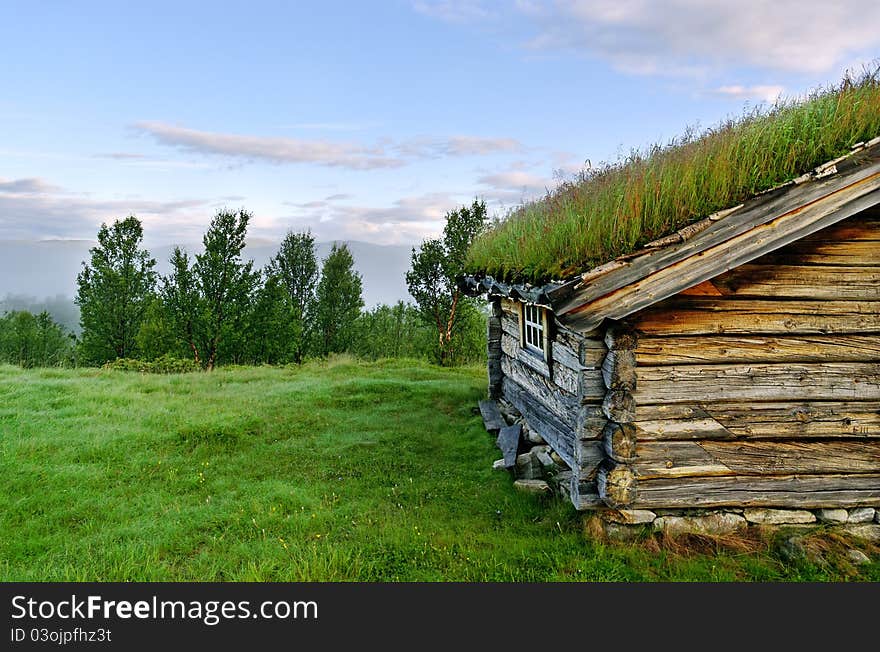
(616, 208)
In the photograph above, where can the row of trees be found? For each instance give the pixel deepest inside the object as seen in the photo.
(30, 340)
(215, 307)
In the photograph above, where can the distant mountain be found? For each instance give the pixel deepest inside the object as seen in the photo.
(31, 271)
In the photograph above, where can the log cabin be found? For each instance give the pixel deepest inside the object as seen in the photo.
(734, 363)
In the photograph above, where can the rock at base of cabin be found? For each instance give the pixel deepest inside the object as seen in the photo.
(857, 557)
(621, 533)
(510, 413)
(876, 515)
(717, 523)
(832, 515)
(779, 516)
(526, 468)
(532, 486)
(793, 549)
(542, 457)
(628, 516)
(531, 436)
(557, 458)
(861, 515)
(867, 531)
(498, 465)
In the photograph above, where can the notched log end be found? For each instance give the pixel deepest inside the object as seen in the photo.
(620, 336)
(618, 485)
(619, 440)
(620, 406)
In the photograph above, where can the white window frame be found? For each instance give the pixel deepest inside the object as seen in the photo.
(533, 331)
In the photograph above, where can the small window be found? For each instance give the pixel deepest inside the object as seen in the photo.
(533, 329)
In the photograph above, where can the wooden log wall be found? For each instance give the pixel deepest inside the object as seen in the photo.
(760, 387)
(560, 398)
(616, 476)
(493, 348)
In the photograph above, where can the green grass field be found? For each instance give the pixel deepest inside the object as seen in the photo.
(333, 471)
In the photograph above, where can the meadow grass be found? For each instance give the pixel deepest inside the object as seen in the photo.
(614, 209)
(333, 471)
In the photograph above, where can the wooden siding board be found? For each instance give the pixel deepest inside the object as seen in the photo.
(730, 349)
(673, 459)
(756, 420)
(561, 403)
(715, 316)
(759, 382)
(800, 491)
(556, 432)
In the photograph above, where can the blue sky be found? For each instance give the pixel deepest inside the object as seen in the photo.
(370, 120)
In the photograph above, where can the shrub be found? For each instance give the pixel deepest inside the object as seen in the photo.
(165, 364)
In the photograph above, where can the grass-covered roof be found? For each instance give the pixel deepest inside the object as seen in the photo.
(616, 208)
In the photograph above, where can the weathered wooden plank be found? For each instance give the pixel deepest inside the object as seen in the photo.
(590, 423)
(556, 432)
(570, 337)
(510, 326)
(511, 348)
(508, 442)
(543, 390)
(493, 349)
(801, 282)
(727, 349)
(566, 338)
(757, 420)
(676, 459)
(591, 386)
(492, 419)
(851, 381)
(592, 354)
(827, 252)
(731, 242)
(864, 226)
(619, 442)
(803, 491)
(566, 379)
(619, 405)
(563, 356)
(588, 456)
(619, 370)
(702, 315)
(585, 493)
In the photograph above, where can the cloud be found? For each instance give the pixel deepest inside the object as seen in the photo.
(272, 149)
(768, 93)
(28, 186)
(321, 152)
(406, 221)
(457, 146)
(36, 209)
(471, 146)
(339, 197)
(515, 179)
(644, 36)
(693, 37)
